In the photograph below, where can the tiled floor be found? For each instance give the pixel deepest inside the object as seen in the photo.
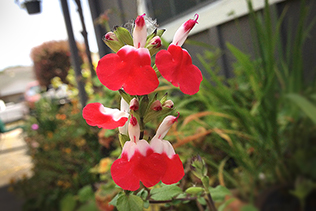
(14, 164)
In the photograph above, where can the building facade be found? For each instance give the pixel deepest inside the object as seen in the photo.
(220, 22)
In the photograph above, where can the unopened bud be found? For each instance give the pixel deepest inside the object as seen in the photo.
(168, 104)
(154, 45)
(165, 125)
(111, 40)
(133, 129)
(182, 33)
(134, 104)
(140, 32)
(198, 167)
(156, 106)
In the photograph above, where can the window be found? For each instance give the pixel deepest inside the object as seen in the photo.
(170, 14)
(164, 10)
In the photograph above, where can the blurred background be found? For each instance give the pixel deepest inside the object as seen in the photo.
(253, 121)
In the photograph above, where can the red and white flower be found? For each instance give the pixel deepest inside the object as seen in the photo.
(138, 163)
(174, 168)
(175, 63)
(130, 68)
(96, 114)
(147, 163)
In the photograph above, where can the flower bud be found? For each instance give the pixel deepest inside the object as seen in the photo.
(111, 40)
(156, 106)
(140, 32)
(165, 126)
(134, 104)
(198, 167)
(168, 104)
(182, 33)
(133, 129)
(154, 45)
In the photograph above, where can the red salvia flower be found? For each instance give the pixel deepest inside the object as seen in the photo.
(96, 114)
(129, 68)
(175, 63)
(138, 163)
(174, 168)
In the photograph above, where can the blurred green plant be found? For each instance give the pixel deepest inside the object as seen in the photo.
(262, 119)
(63, 149)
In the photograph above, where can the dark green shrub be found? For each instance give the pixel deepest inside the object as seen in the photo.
(51, 59)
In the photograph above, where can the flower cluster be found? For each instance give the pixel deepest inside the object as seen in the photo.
(129, 70)
(146, 162)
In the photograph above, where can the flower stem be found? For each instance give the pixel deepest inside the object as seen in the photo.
(210, 202)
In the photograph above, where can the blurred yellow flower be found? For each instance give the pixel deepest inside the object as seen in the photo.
(104, 166)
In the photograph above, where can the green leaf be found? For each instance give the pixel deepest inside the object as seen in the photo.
(307, 107)
(68, 203)
(86, 193)
(114, 200)
(194, 190)
(249, 207)
(225, 204)
(90, 206)
(201, 200)
(219, 193)
(143, 194)
(165, 193)
(129, 203)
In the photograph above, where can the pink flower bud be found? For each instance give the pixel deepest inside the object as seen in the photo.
(154, 45)
(110, 36)
(155, 42)
(168, 104)
(140, 32)
(134, 104)
(133, 129)
(182, 33)
(112, 41)
(156, 106)
(165, 126)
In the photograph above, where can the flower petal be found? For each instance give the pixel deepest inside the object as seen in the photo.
(174, 167)
(123, 172)
(96, 114)
(125, 108)
(149, 169)
(174, 171)
(175, 65)
(129, 68)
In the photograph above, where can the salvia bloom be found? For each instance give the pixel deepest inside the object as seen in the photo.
(129, 71)
(96, 114)
(130, 68)
(175, 63)
(147, 163)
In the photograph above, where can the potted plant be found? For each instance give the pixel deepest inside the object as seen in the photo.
(33, 6)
